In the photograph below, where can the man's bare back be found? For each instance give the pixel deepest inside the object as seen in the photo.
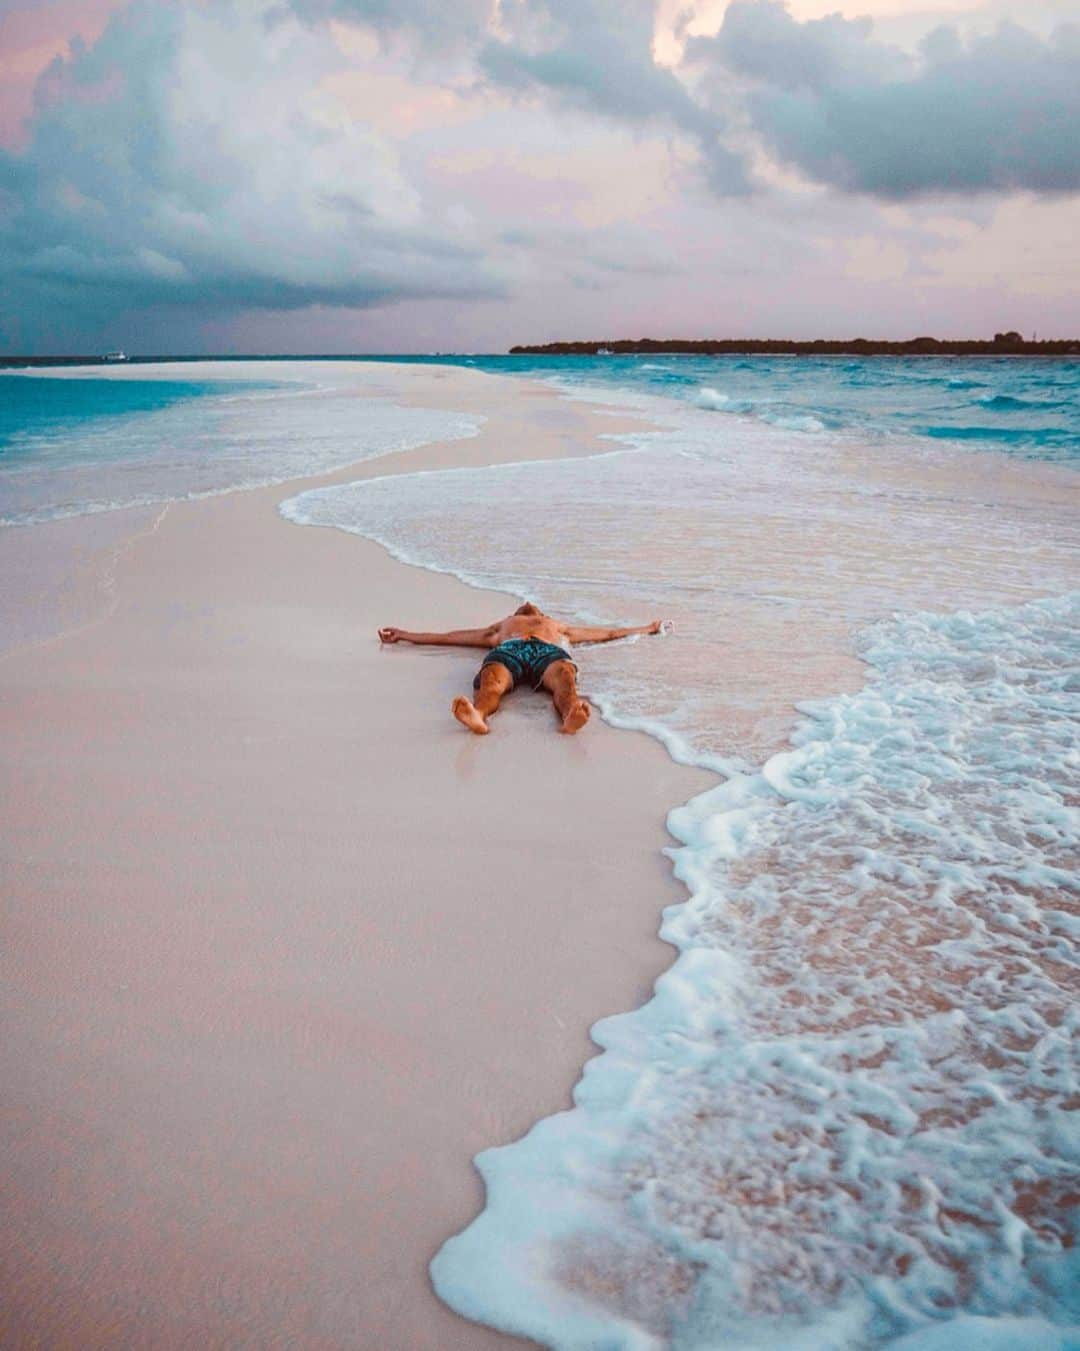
(527, 645)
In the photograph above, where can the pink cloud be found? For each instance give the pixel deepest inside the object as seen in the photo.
(31, 36)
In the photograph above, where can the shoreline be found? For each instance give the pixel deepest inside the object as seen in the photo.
(1050, 348)
(225, 950)
(1005, 345)
(444, 855)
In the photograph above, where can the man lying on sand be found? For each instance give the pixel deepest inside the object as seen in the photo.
(524, 646)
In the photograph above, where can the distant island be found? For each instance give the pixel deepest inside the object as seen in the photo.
(1002, 344)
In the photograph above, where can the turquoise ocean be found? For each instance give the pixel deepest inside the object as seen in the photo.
(847, 1117)
(1026, 407)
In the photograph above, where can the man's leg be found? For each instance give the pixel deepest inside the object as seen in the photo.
(495, 680)
(560, 680)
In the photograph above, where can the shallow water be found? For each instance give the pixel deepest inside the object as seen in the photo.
(845, 1118)
(43, 418)
(765, 552)
(847, 1113)
(73, 446)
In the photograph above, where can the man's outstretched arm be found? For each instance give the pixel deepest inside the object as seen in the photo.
(597, 635)
(455, 638)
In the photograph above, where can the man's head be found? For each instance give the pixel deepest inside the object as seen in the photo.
(528, 609)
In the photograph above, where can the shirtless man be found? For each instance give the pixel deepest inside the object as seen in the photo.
(525, 646)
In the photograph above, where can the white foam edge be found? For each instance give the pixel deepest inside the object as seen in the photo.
(540, 1174)
(293, 509)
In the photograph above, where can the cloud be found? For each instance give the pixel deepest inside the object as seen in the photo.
(597, 55)
(436, 24)
(760, 39)
(197, 162)
(166, 165)
(594, 56)
(995, 113)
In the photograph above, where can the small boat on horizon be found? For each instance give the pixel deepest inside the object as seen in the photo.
(116, 356)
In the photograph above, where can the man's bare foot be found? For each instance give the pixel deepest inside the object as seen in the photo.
(468, 716)
(576, 718)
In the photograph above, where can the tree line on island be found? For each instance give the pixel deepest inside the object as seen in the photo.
(1010, 343)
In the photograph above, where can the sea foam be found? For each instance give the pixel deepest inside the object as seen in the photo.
(846, 1115)
(787, 420)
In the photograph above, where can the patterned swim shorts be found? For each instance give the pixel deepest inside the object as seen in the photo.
(525, 659)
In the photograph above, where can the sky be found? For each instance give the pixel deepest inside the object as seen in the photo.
(411, 175)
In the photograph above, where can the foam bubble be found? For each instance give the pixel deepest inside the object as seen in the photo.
(796, 422)
(716, 401)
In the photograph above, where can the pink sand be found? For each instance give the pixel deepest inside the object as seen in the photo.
(285, 945)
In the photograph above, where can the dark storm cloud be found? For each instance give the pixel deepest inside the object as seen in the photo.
(996, 113)
(164, 167)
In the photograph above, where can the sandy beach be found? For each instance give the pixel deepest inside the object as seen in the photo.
(285, 945)
(741, 335)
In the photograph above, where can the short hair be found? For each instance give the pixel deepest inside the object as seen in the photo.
(528, 609)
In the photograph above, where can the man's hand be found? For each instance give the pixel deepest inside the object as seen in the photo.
(390, 635)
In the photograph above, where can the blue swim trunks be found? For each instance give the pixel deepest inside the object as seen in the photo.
(525, 659)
